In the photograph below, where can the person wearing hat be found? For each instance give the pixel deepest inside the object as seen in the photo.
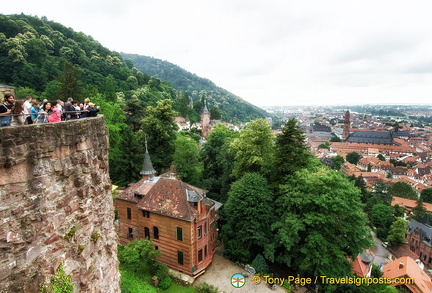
(92, 111)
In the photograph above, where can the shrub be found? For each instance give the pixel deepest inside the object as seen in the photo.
(62, 283)
(165, 283)
(260, 264)
(206, 288)
(161, 271)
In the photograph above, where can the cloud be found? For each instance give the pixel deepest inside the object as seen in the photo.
(270, 52)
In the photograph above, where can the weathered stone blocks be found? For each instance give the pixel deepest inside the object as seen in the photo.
(55, 193)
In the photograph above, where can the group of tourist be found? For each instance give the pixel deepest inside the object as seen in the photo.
(13, 113)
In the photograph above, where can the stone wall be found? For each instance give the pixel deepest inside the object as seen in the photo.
(56, 206)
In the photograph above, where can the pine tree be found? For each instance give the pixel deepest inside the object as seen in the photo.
(70, 82)
(291, 152)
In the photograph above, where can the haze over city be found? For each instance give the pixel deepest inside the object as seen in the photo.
(272, 52)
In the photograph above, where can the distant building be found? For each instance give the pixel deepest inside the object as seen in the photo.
(419, 239)
(416, 280)
(363, 136)
(179, 218)
(205, 122)
(6, 89)
(321, 128)
(182, 123)
(347, 124)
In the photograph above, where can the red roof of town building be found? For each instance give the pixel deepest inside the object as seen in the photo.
(406, 267)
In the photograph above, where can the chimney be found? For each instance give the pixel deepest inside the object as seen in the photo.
(401, 265)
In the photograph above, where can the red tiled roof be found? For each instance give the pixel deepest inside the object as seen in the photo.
(409, 203)
(406, 267)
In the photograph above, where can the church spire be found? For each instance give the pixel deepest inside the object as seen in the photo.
(147, 170)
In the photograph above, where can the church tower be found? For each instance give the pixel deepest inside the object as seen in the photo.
(205, 122)
(347, 124)
(147, 171)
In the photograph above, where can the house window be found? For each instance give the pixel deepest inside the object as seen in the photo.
(205, 228)
(180, 257)
(156, 247)
(430, 260)
(146, 214)
(130, 231)
(200, 255)
(179, 233)
(205, 251)
(155, 232)
(146, 233)
(129, 213)
(199, 232)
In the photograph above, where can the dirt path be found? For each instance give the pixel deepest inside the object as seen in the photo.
(219, 274)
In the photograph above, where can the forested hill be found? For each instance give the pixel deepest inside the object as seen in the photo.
(229, 104)
(45, 59)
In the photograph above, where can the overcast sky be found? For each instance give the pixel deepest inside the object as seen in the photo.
(270, 52)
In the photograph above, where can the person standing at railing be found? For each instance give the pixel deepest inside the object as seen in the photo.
(75, 115)
(34, 110)
(68, 109)
(17, 112)
(55, 114)
(43, 113)
(27, 107)
(5, 110)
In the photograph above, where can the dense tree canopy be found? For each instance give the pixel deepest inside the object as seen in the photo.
(353, 158)
(160, 129)
(403, 189)
(218, 159)
(254, 149)
(321, 223)
(186, 160)
(248, 214)
(397, 232)
(290, 152)
(426, 195)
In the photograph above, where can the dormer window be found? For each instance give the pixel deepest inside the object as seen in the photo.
(137, 195)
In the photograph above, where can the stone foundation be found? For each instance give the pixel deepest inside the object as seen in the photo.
(56, 206)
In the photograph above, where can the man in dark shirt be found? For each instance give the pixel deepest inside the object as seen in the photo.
(5, 110)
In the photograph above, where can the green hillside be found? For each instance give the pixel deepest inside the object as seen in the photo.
(229, 104)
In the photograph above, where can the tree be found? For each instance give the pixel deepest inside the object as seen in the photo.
(321, 222)
(70, 82)
(186, 160)
(353, 158)
(291, 152)
(397, 232)
(419, 211)
(382, 216)
(218, 159)
(325, 145)
(249, 214)
(338, 161)
(138, 255)
(403, 189)
(110, 89)
(160, 129)
(184, 104)
(126, 160)
(254, 149)
(381, 157)
(260, 265)
(426, 195)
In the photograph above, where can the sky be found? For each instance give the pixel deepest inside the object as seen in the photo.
(272, 52)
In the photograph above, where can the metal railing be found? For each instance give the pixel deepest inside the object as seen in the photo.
(42, 117)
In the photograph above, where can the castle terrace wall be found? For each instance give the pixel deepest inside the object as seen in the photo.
(56, 206)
